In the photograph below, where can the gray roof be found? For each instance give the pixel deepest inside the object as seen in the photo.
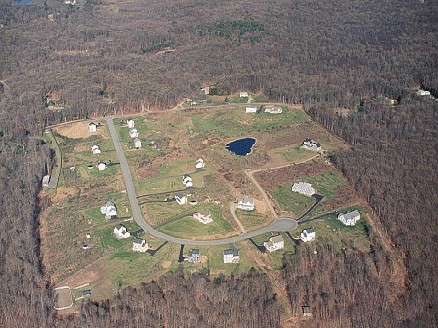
(179, 195)
(195, 252)
(110, 203)
(234, 252)
(138, 241)
(277, 239)
(310, 230)
(119, 226)
(351, 215)
(247, 200)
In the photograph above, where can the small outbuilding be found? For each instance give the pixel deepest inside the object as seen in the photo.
(92, 127)
(46, 181)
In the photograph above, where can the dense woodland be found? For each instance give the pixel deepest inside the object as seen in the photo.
(103, 57)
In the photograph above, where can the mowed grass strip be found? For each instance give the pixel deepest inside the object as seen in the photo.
(292, 201)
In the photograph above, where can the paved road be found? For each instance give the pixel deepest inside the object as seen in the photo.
(279, 225)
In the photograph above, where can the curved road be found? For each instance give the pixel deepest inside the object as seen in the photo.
(279, 225)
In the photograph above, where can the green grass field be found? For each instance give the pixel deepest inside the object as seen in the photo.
(291, 201)
(326, 183)
(251, 220)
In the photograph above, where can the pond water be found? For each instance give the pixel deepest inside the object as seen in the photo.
(241, 147)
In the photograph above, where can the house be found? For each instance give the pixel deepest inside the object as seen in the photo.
(187, 180)
(139, 245)
(95, 149)
(70, 2)
(92, 127)
(423, 93)
(274, 243)
(46, 180)
(181, 199)
(350, 218)
(101, 166)
(245, 204)
(243, 94)
(205, 219)
(273, 109)
(121, 232)
(250, 109)
(133, 133)
(137, 143)
(86, 293)
(194, 256)
(311, 145)
(231, 256)
(306, 311)
(109, 210)
(303, 188)
(308, 234)
(130, 123)
(199, 164)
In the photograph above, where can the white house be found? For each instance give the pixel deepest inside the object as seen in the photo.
(109, 209)
(273, 109)
(423, 93)
(181, 199)
(231, 256)
(137, 143)
(130, 123)
(245, 204)
(243, 94)
(133, 133)
(349, 218)
(139, 245)
(205, 219)
(250, 109)
(303, 188)
(95, 149)
(308, 235)
(101, 166)
(199, 164)
(274, 243)
(311, 145)
(46, 180)
(187, 181)
(92, 127)
(194, 255)
(121, 232)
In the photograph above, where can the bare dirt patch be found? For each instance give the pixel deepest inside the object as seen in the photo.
(77, 130)
(82, 277)
(204, 259)
(261, 207)
(166, 264)
(62, 193)
(63, 297)
(81, 147)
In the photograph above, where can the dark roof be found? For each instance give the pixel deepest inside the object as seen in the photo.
(179, 195)
(86, 292)
(306, 309)
(119, 226)
(318, 144)
(234, 252)
(310, 230)
(138, 241)
(195, 252)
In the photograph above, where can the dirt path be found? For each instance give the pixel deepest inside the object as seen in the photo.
(233, 208)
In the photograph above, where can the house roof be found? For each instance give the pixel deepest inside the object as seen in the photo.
(92, 123)
(277, 239)
(306, 309)
(351, 215)
(247, 200)
(309, 230)
(233, 252)
(138, 241)
(119, 227)
(195, 252)
(179, 195)
(137, 140)
(110, 203)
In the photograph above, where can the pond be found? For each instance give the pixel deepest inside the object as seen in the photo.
(241, 147)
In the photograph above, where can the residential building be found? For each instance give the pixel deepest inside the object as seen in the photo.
(350, 218)
(95, 149)
(273, 109)
(137, 143)
(101, 166)
(231, 256)
(306, 311)
(311, 145)
(274, 243)
(46, 180)
(121, 232)
(187, 181)
(246, 204)
(250, 109)
(92, 127)
(423, 93)
(199, 164)
(303, 188)
(194, 256)
(181, 199)
(308, 234)
(133, 133)
(109, 210)
(139, 245)
(243, 94)
(205, 219)
(130, 123)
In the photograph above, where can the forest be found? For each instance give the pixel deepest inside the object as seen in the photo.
(105, 57)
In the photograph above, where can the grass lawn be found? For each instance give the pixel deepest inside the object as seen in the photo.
(251, 220)
(326, 183)
(295, 154)
(291, 201)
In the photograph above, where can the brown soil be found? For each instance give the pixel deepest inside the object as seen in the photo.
(261, 207)
(82, 147)
(77, 130)
(204, 259)
(166, 264)
(62, 193)
(82, 277)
